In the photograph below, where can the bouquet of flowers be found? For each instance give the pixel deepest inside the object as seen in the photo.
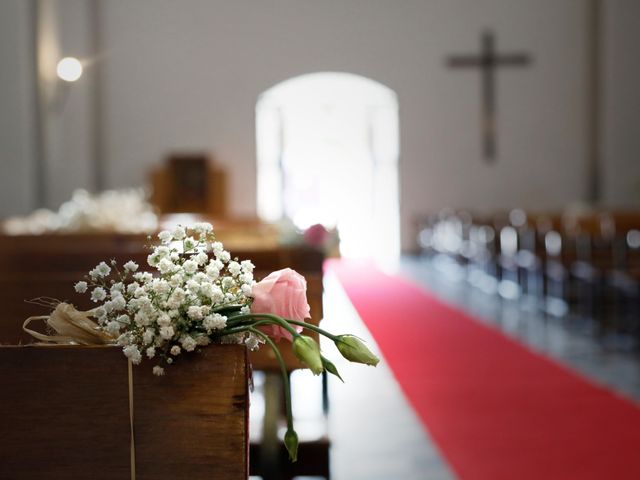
(127, 211)
(200, 295)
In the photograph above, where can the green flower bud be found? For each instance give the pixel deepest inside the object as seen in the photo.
(307, 350)
(291, 443)
(331, 368)
(354, 350)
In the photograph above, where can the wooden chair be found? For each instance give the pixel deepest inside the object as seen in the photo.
(190, 183)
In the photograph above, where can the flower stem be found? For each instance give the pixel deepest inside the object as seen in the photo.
(274, 318)
(314, 328)
(244, 328)
(285, 375)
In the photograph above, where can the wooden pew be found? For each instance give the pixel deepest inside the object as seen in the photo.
(566, 261)
(49, 266)
(66, 415)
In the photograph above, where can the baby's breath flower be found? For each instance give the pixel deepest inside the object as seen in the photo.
(217, 295)
(206, 289)
(175, 350)
(247, 266)
(142, 319)
(167, 332)
(165, 236)
(158, 370)
(151, 352)
(103, 270)
(178, 233)
(201, 258)
(98, 294)
(132, 287)
(146, 277)
(101, 314)
(217, 248)
(214, 322)
(147, 336)
(163, 319)
(252, 341)
(194, 313)
(161, 286)
(132, 353)
(153, 259)
(165, 266)
(80, 287)
(189, 243)
(190, 267)
(175, 280)
(234, 268)
(188, 343)
(233, 338)
(118, 302)
(131, 266)
(203, 228)
(193, 286)
(108, 306)
(113, 327)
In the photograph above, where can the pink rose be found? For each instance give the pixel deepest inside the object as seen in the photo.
(316, 235)
(282, 293)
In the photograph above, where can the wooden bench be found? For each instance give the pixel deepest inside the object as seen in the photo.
(66, 415)
(50, 265)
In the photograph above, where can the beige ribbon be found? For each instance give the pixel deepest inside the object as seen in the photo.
(72, 327)
(77, 328)
(132, 462)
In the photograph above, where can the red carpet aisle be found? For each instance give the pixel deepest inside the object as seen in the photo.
(496, 409)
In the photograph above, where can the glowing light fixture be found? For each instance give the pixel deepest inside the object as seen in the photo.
(69, 69)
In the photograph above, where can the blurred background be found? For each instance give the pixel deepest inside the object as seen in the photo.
(487, 150)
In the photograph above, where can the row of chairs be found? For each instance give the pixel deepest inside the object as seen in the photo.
(586, 263)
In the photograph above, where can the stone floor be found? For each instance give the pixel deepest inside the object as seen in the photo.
(375, 432)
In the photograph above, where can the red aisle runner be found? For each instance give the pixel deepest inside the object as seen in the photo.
(496, 409)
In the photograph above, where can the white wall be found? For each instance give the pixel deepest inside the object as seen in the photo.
(16, 108)
(70, 148)
(67, 147)
(187, 75)
(621, 176)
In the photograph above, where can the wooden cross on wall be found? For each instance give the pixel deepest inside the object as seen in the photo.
(488, 61)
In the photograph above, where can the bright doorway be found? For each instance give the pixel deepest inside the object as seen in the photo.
(327, 152)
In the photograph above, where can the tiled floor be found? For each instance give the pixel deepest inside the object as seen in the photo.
(376, 434)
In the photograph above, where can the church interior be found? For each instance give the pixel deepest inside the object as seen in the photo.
(455, 182)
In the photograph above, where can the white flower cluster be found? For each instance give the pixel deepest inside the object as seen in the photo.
(185, 303)
(127, 211)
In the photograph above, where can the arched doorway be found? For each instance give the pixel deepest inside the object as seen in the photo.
(327, 152)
